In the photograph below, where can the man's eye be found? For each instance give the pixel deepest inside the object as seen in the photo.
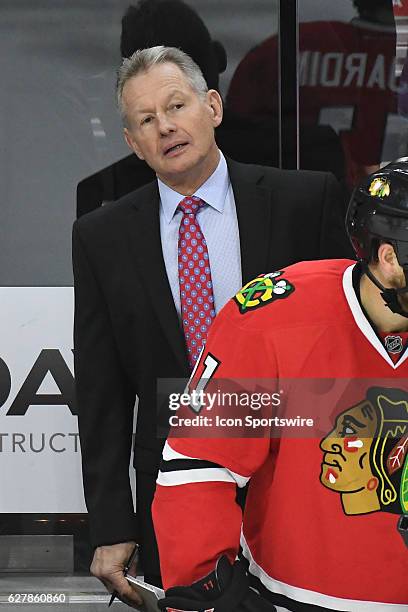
(177, 106)
(146, 120)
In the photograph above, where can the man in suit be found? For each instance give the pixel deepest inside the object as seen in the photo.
(131, 309)
(174, 23)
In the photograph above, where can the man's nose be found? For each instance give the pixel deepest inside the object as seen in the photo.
(166, 126)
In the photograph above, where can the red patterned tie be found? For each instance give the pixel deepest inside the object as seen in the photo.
(196, 293)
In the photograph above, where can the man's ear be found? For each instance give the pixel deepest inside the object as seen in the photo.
(387, 259)
(131, 143)
(214, 101)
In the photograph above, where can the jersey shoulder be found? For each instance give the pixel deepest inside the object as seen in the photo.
(309, 292)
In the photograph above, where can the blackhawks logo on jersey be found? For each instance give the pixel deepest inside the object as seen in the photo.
(263, 289)
(366, 454)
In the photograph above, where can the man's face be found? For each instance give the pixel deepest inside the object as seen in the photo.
(391, 275)
(170, 126)
(346, 460)
(398, 282)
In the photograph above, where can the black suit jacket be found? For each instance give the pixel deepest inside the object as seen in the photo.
(127, 331)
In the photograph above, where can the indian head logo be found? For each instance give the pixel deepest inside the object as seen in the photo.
(365, 456)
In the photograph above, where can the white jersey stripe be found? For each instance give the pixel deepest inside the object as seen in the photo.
(313, 597)
(169, 454)
(178, 477)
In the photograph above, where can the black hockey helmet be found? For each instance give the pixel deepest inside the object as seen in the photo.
(377, 213)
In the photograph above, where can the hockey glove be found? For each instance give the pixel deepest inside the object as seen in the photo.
(224, 590)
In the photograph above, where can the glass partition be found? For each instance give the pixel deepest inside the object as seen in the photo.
(60, 129)
(351, 82)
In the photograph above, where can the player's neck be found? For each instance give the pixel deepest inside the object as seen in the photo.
(380, 315)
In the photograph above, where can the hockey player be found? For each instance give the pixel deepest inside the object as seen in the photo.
(319, 530)
(347, 79)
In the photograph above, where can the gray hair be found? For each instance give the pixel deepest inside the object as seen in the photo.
(144, 59)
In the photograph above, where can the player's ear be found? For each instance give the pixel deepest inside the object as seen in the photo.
(214, 102)
(388, 260)
(131, 142)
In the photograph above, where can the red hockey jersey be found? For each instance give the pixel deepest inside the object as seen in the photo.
(319, 525)
(347, 79)
(400, 8)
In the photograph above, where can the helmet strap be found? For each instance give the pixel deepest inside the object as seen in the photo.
(390, 296)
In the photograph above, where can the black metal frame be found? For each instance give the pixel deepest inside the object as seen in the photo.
(288, 84)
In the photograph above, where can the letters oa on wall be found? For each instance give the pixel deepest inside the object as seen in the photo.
(39, 444)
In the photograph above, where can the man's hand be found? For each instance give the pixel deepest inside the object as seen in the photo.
(108, 564)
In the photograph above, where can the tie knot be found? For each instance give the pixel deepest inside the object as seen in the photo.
(191, 205)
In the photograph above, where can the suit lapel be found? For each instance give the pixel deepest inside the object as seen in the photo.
(144, 234)
(253, 203)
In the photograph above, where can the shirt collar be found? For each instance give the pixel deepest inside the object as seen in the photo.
(213, 191)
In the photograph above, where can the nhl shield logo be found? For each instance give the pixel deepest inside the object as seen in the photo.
(393, 344)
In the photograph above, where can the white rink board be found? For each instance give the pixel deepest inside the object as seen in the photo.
(34, 319)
